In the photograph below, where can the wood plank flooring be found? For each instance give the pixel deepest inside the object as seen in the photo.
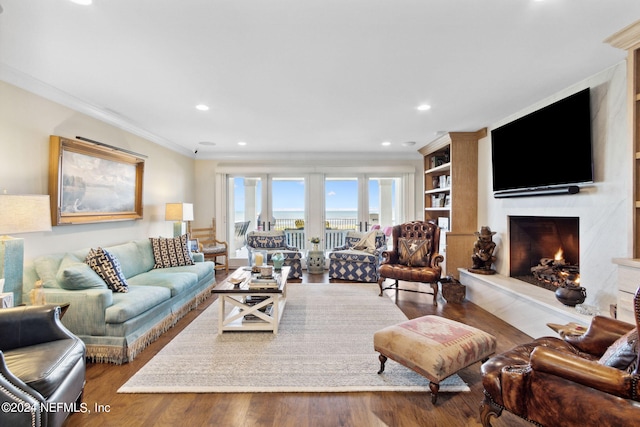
(108, 408)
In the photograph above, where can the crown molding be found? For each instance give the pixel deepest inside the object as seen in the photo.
(626, 38)
(40, 88)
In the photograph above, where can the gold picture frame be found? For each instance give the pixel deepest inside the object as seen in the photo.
(92, 182)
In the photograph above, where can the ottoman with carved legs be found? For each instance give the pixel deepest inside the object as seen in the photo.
(434, 347)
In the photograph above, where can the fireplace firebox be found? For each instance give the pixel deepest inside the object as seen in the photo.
(544, 251)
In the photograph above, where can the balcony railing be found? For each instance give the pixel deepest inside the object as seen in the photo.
(332, 239)
(330, 224)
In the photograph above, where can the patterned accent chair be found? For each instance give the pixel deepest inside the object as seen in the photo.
(590, 379)
(272, 242)
(357, 264)
(414, 257)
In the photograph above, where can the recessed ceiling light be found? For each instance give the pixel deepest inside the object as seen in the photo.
(386, 143)
(82, 2)
(207, 143)
(423, 107)
(202, 107)
(242, 143)
(409, 143)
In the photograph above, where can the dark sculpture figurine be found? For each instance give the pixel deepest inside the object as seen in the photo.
(483, 249)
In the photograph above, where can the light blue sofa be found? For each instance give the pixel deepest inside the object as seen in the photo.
(114, 326)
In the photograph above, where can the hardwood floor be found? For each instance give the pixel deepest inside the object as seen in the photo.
(108, 408)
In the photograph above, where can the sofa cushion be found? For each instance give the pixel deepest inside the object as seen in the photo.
(413, 252)
(44, 367)
(108, 267)
(176, 281)
(74, 274)
(170, 252)
(135, 257)
(622, 354)
(47, 267)
(135, 302)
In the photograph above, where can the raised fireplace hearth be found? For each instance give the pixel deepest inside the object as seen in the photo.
(545, 251)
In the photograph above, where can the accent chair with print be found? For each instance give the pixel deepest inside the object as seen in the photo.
(358, 260)
(272, 242)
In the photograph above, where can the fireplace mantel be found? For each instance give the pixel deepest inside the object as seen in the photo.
(528, 308)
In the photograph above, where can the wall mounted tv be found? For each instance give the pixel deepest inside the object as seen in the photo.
(545, 152)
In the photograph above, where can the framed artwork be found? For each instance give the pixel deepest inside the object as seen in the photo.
(193, 245)
(93, 182)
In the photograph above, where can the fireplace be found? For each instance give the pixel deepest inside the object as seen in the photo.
(546, 246)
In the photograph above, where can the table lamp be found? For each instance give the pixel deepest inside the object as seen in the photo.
(19, 214)
(179, 213)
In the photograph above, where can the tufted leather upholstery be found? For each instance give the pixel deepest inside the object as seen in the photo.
(391, 268)
(555, 382)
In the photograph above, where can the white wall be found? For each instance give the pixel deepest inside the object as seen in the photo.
(27, 120)
(604, 208)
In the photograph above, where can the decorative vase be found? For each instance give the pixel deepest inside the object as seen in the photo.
(571, 295)
(278, 260)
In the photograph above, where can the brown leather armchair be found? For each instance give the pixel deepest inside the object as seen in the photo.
(582, 380)
(414, 257)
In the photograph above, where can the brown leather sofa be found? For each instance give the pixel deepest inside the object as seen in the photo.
(42, 367)
(588, 380)
(414, 257)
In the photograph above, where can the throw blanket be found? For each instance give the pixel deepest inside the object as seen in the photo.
(367, 243)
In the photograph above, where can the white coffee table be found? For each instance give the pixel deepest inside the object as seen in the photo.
(233, 294)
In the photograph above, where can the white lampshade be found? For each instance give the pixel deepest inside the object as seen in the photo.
(179, 212)
(24, 214)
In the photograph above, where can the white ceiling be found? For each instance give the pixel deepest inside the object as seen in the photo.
(305, 75)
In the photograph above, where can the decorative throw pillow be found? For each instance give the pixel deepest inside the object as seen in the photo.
(367, 243)
(75, 274)
(413, 252)
(108, 268)
(47, 267)
(622, 354)
(171, 252)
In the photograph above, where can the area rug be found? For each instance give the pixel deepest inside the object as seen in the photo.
(324, 344)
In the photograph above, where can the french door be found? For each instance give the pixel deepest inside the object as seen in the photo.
(310, 205)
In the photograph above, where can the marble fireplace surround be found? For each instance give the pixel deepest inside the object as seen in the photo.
(518, 302)
(526, 307)
(603, 208)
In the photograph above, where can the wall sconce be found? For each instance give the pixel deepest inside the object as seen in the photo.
(179, 213)
(19, 214)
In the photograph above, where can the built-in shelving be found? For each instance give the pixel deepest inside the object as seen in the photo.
(451, 193)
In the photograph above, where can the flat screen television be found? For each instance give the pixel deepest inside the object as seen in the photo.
(544, 151)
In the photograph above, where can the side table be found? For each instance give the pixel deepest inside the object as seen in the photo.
(315, 262)
(570, 329)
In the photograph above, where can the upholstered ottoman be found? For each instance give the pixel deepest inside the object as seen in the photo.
(434, 347)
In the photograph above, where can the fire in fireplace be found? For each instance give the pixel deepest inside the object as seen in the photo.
(545, 251)
(556, 272)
